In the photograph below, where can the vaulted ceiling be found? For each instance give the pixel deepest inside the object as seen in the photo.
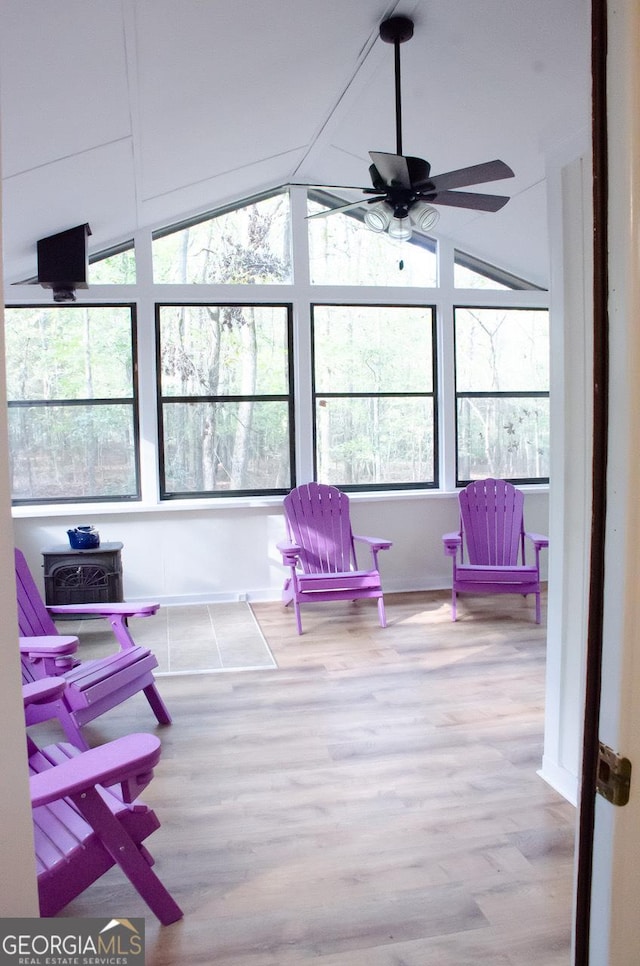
(132, 113)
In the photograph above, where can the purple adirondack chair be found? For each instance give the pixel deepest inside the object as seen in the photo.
(492, 530)
(320, 552)
(83, 824)
(94, 686)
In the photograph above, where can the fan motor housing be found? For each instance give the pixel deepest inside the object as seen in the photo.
(396, 30)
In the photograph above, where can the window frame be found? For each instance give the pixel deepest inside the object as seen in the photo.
(300, 295)
(434, 395)
(133, 401)
(170, 496)
(461, 482)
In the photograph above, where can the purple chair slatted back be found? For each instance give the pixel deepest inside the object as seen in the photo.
(318, 520)
(491, 513)
(28, 677)
(33, 618)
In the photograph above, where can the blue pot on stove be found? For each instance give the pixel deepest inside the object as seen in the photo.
(84, 538)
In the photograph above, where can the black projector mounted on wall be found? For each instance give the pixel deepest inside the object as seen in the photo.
(63, 262)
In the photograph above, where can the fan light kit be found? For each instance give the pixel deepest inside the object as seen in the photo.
(404, 192)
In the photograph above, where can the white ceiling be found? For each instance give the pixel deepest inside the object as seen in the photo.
(133, 113)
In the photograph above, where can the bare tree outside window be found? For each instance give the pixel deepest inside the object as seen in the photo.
(225, 398)
(248, 245)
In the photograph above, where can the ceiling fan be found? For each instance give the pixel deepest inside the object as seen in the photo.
(404, 190)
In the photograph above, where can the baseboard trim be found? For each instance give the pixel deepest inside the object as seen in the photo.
(563, 781)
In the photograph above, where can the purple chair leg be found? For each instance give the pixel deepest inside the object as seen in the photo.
(296, 607)
(131, 860)
(158, 706)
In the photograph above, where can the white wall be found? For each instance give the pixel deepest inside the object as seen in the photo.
(569, 194)
(221, 551)
(18, 895)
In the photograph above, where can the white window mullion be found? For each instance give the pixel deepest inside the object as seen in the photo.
(149, 448)
(446, 365)
(303, 403)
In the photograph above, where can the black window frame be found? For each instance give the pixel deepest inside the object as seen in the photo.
(434, 395)
(502, 394)
(133, 401)
(170, 496)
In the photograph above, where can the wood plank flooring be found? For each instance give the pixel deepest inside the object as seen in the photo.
(372, 802)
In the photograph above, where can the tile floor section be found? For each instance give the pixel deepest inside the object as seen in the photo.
(187, 639)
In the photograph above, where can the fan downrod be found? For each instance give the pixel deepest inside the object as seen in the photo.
(396, 30)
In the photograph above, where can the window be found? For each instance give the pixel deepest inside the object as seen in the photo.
(472, 272)
(246, 245)
(374, 396)
(502, 394)
(227, 334)
(343, 252)
(117, 266)
(72, 395)
(225, 402)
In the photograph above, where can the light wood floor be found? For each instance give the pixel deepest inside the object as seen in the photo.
(372, 802)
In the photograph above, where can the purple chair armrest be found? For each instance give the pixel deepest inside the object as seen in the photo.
(376, 543)
(54, 645)
(129, 761)
(290, 552)
(538, 539)
(116, 614)
(42, 691)
(452, 543)
(139, 609)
